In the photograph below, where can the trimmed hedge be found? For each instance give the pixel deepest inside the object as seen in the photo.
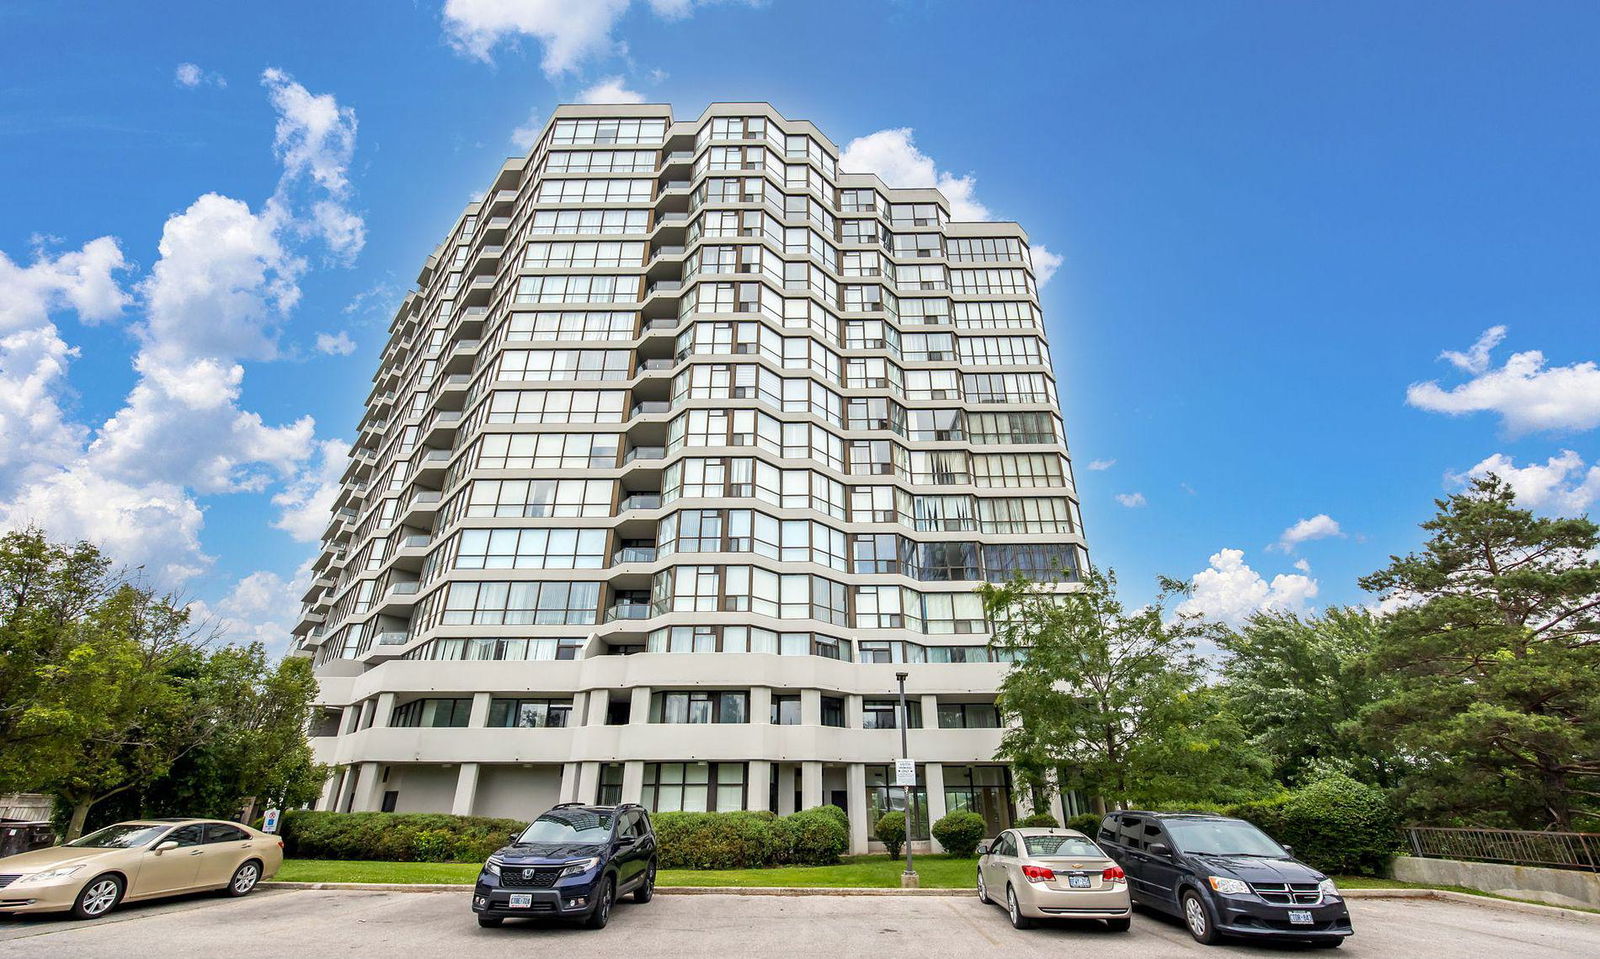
(1039, 820)
(891, 831)
(394, 837)
(959, 833)
(751, 840)
(1087, 823)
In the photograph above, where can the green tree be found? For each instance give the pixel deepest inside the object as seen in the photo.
(1495, 659)
(1300, 686)
(1115, 695)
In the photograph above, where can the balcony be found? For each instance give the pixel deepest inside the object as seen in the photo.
(663, 287)
(643, 453)
(657, 365)
(627, 610)
(650, 406)
(641, 501)
(392, 638)
(634, 554)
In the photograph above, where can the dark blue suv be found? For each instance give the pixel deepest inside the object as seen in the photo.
(570, 863)
(1224, 877)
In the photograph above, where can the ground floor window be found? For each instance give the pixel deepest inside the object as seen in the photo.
(882, 797)
(610, 784)
(985, 790)
(693, 787)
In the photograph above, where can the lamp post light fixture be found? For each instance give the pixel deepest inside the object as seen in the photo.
(908, 879)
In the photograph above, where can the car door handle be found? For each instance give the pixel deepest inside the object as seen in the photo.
(197, 852)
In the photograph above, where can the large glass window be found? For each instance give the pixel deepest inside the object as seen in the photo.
(786, 710)
(700, 707)
(432, 712)
(530, 713)
(885, 798)
(885, 713)
(968, 716)
(985, 790)
(693, 787)
(521, 604)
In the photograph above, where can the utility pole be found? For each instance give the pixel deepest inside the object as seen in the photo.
(908, 879)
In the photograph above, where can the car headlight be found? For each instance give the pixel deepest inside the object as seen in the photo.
(492, 868)
(578, 867)
(49, 875)
(1228, 887)
(1328, 889)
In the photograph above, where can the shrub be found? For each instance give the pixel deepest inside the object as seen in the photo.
(1039, 820)
(1341, 826)
(1087, 823)
(728, 840)
(817, 836)
(891, 831)
(960, 832)
(394, 837)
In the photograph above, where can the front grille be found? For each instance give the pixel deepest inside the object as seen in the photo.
(9, 878)
(1289, 894)
(526, 877)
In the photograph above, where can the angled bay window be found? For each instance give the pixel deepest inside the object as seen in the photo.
(532, 549)
(522, 604)
(559, 222)
(578, 289)
(554, 365)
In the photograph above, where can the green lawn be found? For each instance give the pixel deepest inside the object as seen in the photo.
(937, 872)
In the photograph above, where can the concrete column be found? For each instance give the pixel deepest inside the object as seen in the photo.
(385, 709)
(810, 784)
(479, 716)
(785, 789)
(369, 791)
(933, 775)
(588, 781)
(569, 782)
(632, 780)
(336, 792)
(466, 781)
(930, 711)
(852, 712)
(330, 790)
(352, 716)
(856, 800)
(639, 705)
(811, 707)
(597, 706)
(758, 787)
(761, 704)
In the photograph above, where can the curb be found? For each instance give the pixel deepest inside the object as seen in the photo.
(1447, 895)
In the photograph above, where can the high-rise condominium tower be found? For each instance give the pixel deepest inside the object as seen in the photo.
(686, 443)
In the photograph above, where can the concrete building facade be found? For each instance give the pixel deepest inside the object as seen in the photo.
(685, 444)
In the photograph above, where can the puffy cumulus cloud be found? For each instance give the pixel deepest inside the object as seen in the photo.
(189, 76)
(83, 280)
(1228, 590)
(335, 344)
(306, 503)
(1526, 394)
(893, 155)
(315, 140)
(1045, 263)
(610, 90)
(1098, 465)
(571, 31)
(154, 525)
(1131, 500)
(260, 608)
(1562, 486)
(1320, 526)
(524, 136)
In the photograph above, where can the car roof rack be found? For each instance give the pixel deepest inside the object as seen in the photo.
(569, 805)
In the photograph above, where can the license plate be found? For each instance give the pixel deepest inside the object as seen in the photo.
(524, 900)
(1300, 917)
(1077, 882)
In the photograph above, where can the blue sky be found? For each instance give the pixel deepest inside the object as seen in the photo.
(1273, 220)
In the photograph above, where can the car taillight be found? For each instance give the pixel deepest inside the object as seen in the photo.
(1114, 874)
(1037, 874)
(280, 844)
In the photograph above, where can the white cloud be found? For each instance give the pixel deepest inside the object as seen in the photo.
(1131, 500)
(189, 76)
(1229, 590)
(261, 608)
(571, 31)
(610, 90)
(307, 502)
(1303, 565)
(1526, 394)
(1045, 263)
(315, 139)
(1102, 464)
(526, 135)
(1561, 486)
(335, 344)
(154, 525)
(83, 280)
(893, 155)
(1320, 526)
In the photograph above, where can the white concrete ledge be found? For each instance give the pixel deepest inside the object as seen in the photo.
(1554, 887)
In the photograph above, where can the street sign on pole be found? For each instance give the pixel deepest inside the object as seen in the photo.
(905, 773)
(269, 821)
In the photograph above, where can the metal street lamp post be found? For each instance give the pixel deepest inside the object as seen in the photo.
(908, 879)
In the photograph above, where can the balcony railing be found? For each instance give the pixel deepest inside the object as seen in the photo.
(650, 406)
(628, 611)
(643, 453)
(393, 638)
(642, 501)
(634, 554)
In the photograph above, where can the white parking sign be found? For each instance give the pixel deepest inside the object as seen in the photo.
(269, 821)
(905, 772)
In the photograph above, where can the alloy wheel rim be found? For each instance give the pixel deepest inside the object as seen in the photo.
(100, 897)
(1011, 903)
(650, 879)
(1196, 917)
(605, 904)
(983, 887)
(245, 879)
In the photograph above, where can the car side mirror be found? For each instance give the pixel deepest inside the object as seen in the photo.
(1288, 849)
(983, 849)
(1160, 849)
(626, 840)
(166, 844)
(514, 837)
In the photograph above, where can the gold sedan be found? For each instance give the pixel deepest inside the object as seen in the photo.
(1053, 874)
(130, 861)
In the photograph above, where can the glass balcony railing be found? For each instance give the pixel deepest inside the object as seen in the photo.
(634, 554)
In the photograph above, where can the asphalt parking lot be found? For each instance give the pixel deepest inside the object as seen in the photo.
(274, 923)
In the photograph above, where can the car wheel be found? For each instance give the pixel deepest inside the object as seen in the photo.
(983, 890)
(1198, 919)
(244, 878)
(99, 896)
(602, 907)
(490, 922)
(1018, 920)
(1119, 925)
(647, 890)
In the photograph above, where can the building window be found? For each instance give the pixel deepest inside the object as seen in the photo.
(693, 787)
(985, 790)
(884, 713)
(432, 713)
(700, 707)
(530, 713)
(968, 716)
(786, 710)
(833, 711)
(882, 797)
(610, 784)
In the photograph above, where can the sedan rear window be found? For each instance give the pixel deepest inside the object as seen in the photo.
(1071, 846)
(122, 836)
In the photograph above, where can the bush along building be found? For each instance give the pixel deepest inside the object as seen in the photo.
(685, 444)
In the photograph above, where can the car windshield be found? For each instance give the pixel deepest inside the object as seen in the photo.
(1072, 846)
(1222, 838)
(568, 826)
(121, 836)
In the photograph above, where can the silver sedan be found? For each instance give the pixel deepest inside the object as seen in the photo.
(1053, 874)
